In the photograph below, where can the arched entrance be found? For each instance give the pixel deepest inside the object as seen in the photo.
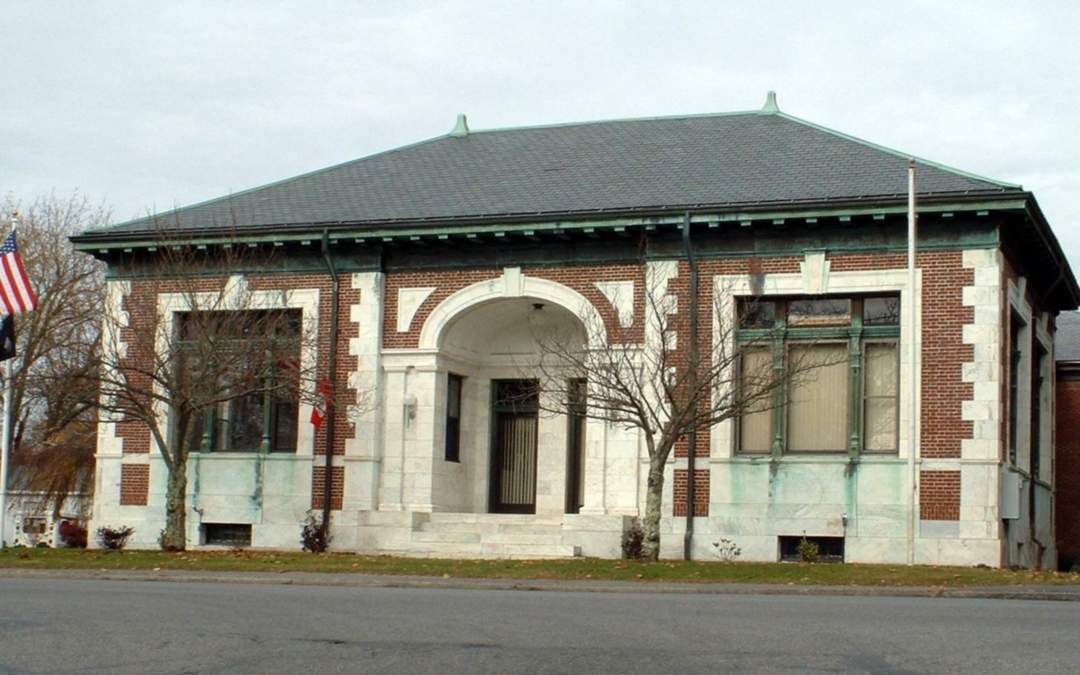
(516, 453)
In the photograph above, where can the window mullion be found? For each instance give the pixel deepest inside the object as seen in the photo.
(268, 411)
(779, 412)
(207, 443)
(855, 399)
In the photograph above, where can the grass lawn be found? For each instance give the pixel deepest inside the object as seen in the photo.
(580, 568)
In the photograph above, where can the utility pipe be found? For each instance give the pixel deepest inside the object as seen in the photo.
(331, 367)
(692, 361)
(913, 426)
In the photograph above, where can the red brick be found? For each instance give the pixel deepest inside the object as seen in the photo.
(939, 495)
(337, 487)
(701, 492)
(134, 484)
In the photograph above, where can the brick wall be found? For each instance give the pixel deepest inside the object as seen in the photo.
(141, 306)
(1067, 468)
(939, 495)
(701, 492)
(337, 487)
(445, 283)
(134, 484)
(580, 278)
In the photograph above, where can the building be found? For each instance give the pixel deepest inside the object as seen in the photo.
(447, 245)
(33, 516)
(1067, 441)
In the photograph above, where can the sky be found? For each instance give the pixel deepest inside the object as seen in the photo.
(146, 106)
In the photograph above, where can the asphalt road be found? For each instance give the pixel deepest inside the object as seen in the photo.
(90, 626)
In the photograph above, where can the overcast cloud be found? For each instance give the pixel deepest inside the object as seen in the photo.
(144, 106)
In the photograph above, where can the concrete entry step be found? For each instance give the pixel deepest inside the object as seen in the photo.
(447, 536)
(520, 551)
(446, 518)
(490, 535)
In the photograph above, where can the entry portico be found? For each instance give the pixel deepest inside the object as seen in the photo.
(469, 377)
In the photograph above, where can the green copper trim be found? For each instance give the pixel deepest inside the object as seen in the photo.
(461, 127)
(770, 106)
(741, 218)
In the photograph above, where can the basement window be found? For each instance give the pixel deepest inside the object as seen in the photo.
(235, 535)
(830, 549)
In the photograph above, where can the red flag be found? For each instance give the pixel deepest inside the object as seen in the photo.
(318, 412)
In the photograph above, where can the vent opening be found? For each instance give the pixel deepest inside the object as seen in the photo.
(830, 549)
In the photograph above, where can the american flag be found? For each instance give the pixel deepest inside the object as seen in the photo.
(16, 294)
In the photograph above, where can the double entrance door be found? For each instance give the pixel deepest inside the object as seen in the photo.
(514, 414)
(515, 408)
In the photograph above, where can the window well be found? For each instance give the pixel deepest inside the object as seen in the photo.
(227, 534)
(830, 549)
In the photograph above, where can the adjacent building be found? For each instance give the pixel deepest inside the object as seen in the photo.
(1067, 441)
(448, 246)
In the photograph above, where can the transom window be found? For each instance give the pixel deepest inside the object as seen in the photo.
(842, 357)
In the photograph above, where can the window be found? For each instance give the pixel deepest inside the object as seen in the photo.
(755, 430)
(453, 418)
(840, 357)
(817, 411)
(265, 418)
(1036, 410)
(1016, 325)
(881, 385)
(34, 525)
(577, 406)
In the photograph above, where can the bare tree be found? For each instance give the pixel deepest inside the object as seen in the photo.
(53, 440)
(194, 354)
(649, 376)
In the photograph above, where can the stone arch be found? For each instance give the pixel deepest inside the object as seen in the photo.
(512, 284)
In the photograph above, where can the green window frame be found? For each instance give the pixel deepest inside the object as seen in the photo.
(863, 335)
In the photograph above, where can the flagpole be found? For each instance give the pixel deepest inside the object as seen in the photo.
(5, 431)
(5, 453)
(913, 336)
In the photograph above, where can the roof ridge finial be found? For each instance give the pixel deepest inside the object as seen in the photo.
(461, 127)
(770, 103)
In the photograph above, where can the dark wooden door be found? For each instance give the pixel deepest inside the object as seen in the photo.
(513, 456)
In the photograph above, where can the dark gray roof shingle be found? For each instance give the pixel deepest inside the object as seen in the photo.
(740, 158)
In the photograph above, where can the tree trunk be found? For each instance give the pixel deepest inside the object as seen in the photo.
(174, 538)
(650, 545)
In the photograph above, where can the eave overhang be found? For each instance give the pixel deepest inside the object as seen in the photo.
(1060, 292)
(432, 229)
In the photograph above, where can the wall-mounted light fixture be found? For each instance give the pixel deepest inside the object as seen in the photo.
(409, 407)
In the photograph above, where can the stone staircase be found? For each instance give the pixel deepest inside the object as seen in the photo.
(465, 535)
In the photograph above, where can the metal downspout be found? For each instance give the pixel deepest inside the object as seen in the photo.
(331, 372)
(691, 435)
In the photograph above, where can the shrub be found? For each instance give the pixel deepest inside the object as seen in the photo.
(312, 536)
(114, 538)
(73, 534)
(808, 551)
(727, 550)
(632, 539)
